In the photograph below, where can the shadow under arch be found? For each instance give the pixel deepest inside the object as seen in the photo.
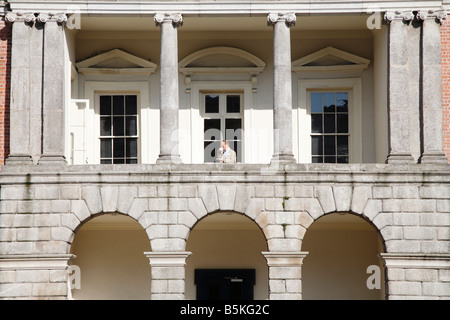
(109, 251)
(227, 240)
(344, 249)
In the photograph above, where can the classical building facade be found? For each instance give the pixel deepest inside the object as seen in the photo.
(113, 114)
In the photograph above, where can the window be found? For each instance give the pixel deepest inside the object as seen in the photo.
(222, 119)
(329, 127)
(118, 129)
(329, 121)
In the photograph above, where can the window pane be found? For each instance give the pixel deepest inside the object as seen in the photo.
(212, 129)
(316, 123)
(329, 102)
(317, 160)
(212, 104)
(105, 105)
(233, 104)
(118, 161)
(131, 148)
(342, 102)
(342, 123)
(118, 147)
(233, 129)
(317, 145)
(106, 161)
(118, 129)
(316, 103)
(330, 159)
(329, 123)
(330, 146)
(342, 145)
(105, 126)
(237, 147)
(105, 148)
(131, 105)
(342, 159)
(132, 161)
(210, 150)
(118, 105)
(131, 126)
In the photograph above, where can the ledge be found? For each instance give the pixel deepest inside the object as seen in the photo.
(226, 173)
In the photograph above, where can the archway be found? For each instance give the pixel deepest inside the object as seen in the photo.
(227, 245)
(109, 253)
(343, 261)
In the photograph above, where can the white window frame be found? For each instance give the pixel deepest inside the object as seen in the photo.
(354, 88)
(197, 105)
(223, 114)
(148, 120)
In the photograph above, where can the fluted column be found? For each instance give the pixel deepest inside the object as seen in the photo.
(431, 110)
(282, 86)
(22, 76)
(53, 89)
(169, 105)
(399, 106)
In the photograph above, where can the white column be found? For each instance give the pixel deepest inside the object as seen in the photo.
(169, 92)
(399, 111)
(53, 90)
(431, 111)
(21, 79)
(285, 274)
(282, 86)
(168, 274)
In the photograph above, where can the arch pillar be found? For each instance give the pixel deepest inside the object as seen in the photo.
(168, 274)
(285, 274)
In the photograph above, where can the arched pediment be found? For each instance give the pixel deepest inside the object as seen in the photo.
(330, 59)
(116, 61)
(221, 60)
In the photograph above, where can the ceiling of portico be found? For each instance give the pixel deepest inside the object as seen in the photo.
(214, 24)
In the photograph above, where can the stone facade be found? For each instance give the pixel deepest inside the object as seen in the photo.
(44, 201)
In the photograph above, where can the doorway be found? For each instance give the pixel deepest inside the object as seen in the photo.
(225, 284)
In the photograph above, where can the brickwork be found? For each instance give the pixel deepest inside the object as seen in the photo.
(445, 43)
(5, 54)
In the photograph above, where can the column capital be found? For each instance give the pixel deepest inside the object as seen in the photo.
(438, 16)
(288, 18)
(284, 259)
(20, 17)
(175, 18)
(405, 16)
(52, 17)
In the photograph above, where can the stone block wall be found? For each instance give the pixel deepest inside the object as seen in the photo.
(409, 206)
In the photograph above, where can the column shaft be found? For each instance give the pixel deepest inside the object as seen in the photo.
(53, 93)
(432, 112)
(282, 87)
(169, 92)
(21, 78)
(399, 112)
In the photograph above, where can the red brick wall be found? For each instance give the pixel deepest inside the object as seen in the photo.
(5, 54)
(445, 48)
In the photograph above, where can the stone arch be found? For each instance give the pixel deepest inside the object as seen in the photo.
(343, 248)
(98, 200)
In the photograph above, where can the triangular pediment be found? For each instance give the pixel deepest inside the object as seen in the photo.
(330, 59)
(116, 61)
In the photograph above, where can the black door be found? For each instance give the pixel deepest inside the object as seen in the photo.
(225, 284)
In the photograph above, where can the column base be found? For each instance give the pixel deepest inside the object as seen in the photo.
(438, 158)
(283, 158)
(400, 158)
(169, 159)
(52, 160)
(19, 160)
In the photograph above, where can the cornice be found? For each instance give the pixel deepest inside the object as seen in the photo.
(222, 7)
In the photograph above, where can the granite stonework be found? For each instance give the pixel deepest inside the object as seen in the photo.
(41, 209)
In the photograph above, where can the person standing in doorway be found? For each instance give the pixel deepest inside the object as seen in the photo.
(225, 154)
